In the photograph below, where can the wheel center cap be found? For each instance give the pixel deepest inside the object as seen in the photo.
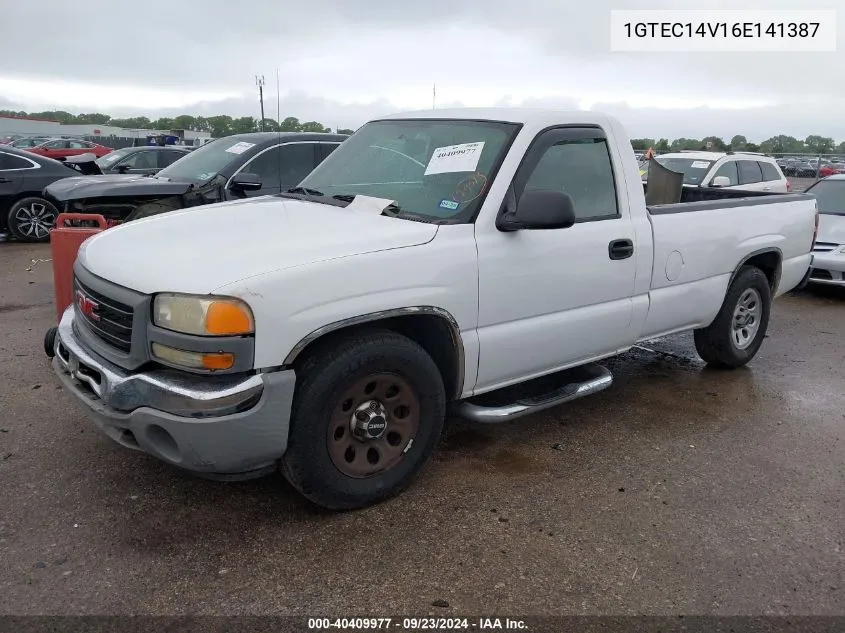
(369, 421)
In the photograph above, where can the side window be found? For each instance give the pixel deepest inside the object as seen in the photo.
(56, 145)
(78, 145)
(770, 172)
(581, 167)
(749, 172)
(168, 157)
(140, 160)
(728, 170)
(297, 161)
(266, 167)
(325, 150)
(10, 161)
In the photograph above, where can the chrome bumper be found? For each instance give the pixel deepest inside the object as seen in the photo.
(211, 424)
(834, 265)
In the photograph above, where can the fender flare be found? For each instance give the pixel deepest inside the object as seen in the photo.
(381, 315)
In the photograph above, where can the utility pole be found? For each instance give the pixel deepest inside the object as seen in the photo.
(259, 81)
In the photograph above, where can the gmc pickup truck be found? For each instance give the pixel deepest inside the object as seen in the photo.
(469, 262)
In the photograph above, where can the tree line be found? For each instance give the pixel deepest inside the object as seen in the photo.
(224, 125)
(217, 126)
(780, 144)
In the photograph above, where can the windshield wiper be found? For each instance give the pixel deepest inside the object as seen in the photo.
(306, 191)
(393, 210)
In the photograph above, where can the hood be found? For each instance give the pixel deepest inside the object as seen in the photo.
(202, 248)
(831, 228)
(81, 187)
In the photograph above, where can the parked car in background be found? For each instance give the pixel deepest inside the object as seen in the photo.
(831, 169)
(230, 168)
(141, 160)
(30, 141)
(829, 251)
(23, 210)
(800, 169)
(743, 172)
(63, 147)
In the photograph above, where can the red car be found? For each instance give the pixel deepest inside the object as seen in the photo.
(63, 147)
(831, 169)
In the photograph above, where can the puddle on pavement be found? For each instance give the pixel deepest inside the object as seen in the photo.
(459, 439)
(484, 449)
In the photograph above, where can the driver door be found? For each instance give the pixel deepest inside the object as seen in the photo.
(551, 298)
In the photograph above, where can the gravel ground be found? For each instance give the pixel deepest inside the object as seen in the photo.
(678, 490)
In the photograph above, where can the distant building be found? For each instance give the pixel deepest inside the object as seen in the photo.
(106, 134)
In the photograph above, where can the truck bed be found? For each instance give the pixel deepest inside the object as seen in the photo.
(695, 254)
(706, 198)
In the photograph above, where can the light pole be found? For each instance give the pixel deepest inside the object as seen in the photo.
(259, 81)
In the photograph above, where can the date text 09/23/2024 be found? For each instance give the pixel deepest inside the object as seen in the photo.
(416, 624)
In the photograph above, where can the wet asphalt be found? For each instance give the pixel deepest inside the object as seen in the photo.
(680, 490)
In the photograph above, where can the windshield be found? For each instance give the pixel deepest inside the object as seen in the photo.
(436, 169)
(112, 157)
(692, 169)
(206, 162)
(830, 196)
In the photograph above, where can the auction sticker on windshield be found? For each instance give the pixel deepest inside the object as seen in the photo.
(240, 148)
(455, 158)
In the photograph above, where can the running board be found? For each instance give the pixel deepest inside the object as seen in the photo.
(542, 393)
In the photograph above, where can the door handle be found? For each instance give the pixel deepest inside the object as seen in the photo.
(620, 249)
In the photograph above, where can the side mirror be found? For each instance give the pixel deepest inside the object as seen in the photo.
(721, 181)
(540, 209)
(122, 169)
(245, 181)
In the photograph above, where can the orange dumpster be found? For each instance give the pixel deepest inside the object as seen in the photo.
(65, 241)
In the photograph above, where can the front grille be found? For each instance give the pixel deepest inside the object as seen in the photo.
(825, 247)
(108, 319)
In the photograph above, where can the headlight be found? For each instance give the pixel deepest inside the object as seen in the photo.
(203, 316)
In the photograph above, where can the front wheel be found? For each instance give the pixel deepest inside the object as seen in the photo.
(30, 219)
(367, 415)
(735, 335)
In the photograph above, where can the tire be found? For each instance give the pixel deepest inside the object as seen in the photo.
(727, 342)
(332, 465)
(50, 342)
(30, 219)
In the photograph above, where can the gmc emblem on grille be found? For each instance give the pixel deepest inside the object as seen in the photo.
(87, 306)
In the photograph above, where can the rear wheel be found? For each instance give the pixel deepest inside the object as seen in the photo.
(735, 335)
(367, 415)
(30, 219)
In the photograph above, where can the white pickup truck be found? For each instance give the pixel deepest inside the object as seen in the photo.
(474, 262)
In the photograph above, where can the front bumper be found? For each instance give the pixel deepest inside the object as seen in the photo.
(828, 269)
(215, 425)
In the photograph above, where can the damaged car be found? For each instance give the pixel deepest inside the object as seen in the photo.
(230, 168)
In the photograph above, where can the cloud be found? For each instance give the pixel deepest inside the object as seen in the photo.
(341, 63)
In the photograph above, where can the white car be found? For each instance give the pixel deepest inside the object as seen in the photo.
(742, 172)
(435, 261)
(829, 250)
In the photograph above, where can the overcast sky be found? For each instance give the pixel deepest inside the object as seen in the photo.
(342, 62)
